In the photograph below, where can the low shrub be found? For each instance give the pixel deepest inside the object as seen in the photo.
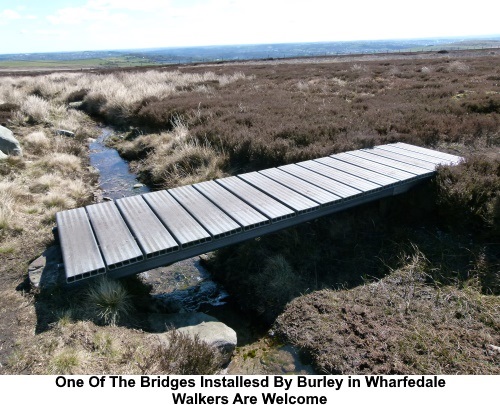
(182, 354)
(276, 284)
(468, 195)
(6, 111)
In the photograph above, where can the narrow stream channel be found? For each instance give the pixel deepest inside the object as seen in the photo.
(186, 286)
(115, 178)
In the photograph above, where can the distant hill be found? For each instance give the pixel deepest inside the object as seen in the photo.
(136, 57)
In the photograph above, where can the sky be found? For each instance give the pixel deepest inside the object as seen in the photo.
(29, 26)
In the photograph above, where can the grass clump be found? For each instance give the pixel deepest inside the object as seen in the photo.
(37, 142)
(189, 163)
(6, 211)
(64, 362)
(109, 301)
(63, 163)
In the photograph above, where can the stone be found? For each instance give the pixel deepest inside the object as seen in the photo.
(9, 145)
(160, 323)
(138, 185)
(44, 271)
(493, 350)
(76, 105)
(216, 334)
(207, 328)
(65, 132)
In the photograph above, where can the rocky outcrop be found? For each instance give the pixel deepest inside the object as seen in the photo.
(9, 145)
(207, 328)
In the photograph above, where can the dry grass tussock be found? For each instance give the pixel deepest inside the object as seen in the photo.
(81, 347)
(38, 142)
(63, 163)
(173, 158)
(400, 324)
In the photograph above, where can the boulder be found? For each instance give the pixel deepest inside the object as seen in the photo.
(216, 334)
(9, 145)
(160, 323)
(206, 327)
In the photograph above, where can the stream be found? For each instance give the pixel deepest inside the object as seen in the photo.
(186, 286)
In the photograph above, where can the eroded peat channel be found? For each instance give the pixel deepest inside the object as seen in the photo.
(180, 292)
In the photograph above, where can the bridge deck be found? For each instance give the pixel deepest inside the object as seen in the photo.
(138, 233)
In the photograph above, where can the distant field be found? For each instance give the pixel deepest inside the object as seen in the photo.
(114, 62)
(457, 46)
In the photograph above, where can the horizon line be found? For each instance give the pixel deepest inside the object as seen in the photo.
(459, 37)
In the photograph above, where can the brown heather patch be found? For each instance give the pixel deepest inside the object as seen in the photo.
(397, 325)
(292, 112)
(469, 195)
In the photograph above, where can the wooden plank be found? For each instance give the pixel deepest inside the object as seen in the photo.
(391, 162)
(446, 157)
(206, 213)
(266, 205)
(319, 180)
(311, 191)
(283, 194)
(81, 254)
(185, 229)
(237, 209)
(402, 158)
(340, 176)
(409, 153)
(375, 167)
(151, 235)
(359, 172)
(117, 244)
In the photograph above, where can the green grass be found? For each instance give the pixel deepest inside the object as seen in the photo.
(64, 362)
(77, 63)
(462, 45)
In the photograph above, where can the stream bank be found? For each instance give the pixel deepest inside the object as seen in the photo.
(187, 286)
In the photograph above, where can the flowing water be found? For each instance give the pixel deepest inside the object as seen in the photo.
(115, 178)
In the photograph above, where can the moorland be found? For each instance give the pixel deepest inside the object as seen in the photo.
(406, 285)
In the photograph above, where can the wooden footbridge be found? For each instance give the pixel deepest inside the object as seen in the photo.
(135, 234)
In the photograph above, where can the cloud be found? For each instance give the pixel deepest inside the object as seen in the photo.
(130, 5)
(105, 10)
(80, 15)
(10, 15)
